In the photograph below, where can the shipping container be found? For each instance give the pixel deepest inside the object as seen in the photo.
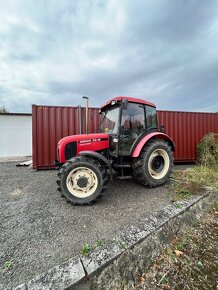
(187, 129)
(50, 124)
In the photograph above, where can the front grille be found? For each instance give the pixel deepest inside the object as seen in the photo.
(70, 150)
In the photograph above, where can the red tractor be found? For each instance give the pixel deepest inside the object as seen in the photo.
(129, 143)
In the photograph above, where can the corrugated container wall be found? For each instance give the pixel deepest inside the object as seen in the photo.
(187, 129)
(50, 124)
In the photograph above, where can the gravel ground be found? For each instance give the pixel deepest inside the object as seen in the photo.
(40, 230)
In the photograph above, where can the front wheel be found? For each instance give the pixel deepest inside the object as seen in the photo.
(82, 180)
(154, 165)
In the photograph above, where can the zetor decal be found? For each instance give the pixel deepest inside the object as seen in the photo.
(92, 140)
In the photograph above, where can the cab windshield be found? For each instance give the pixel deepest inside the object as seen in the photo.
(110, 120)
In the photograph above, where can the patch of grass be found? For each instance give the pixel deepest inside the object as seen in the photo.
(178, 205)
(86, 249)
(120, 243)
(99, 243)
(8, 264)
(193, 181)
(195, 223)
(182, 243)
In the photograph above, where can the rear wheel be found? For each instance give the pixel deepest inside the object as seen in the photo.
(82, 180)
(154, 165)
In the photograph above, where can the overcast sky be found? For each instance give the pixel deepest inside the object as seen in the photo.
(54, 52)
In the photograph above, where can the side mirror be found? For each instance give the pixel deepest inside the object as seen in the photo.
(162, 128)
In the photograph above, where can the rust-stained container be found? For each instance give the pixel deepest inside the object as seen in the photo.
(187, 129)
(50, 124)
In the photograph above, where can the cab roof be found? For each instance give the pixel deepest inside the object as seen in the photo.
(131, 100)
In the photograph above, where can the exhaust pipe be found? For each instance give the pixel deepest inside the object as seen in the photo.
(87, 109)
(80, 119)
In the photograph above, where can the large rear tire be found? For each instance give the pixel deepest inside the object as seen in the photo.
(82, 180)
(154, 165)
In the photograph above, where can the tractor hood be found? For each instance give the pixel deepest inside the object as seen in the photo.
(71, 146)
(85, 138)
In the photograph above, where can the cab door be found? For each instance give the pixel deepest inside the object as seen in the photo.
(132, 126)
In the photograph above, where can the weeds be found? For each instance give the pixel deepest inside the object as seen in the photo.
(178, 205)
(182, 243)
(120, 243)
(191, 260)
(99, 243)
(207, 150)
(200, 178)
(87, 248)
(8, 264)
(193, 181)
(195, 223)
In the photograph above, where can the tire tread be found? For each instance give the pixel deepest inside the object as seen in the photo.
(139, 171)
(78, 159)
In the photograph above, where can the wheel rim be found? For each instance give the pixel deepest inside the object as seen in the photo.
(82, 182)
(158, 163)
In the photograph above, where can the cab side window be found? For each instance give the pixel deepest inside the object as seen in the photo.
(133, 120)
(151, 118)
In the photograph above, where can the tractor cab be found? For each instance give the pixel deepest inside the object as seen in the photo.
(127, 121)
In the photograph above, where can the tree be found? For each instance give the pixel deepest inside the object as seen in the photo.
(3, 110)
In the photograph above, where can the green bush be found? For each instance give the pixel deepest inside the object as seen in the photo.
(207, 150)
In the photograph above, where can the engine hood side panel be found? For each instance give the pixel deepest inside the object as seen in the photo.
(91, 142)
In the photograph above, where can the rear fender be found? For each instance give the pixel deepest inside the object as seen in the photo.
(156, 135)
(98, 156)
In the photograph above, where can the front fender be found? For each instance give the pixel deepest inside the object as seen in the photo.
(98, 156)
(155, 135)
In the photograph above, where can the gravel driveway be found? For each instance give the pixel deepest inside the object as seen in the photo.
(40, 230)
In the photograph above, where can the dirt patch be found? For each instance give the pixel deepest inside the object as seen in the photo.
(190, 262)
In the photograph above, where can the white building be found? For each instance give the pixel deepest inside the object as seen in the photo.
(15, 135)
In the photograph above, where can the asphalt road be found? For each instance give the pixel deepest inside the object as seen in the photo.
(39, 230)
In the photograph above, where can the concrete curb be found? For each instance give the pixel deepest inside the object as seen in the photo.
(58, 277)
(120, 262)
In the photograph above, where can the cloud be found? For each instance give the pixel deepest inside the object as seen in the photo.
(54, 52)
